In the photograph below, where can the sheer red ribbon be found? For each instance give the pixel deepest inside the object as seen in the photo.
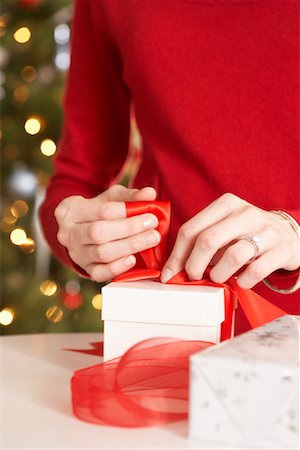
(148, 385)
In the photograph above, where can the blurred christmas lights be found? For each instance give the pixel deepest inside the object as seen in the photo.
(62, 34)
(18, 236)
(19, 208)
(22, 35)
(97, 301)
(21, 93)
(33, 125)
(54, 314)
(62, 59)
(28, 74)
(73, 287)
(8, 216)
(22, 181)
(48, 147)
(6, 316)
(46, 74)
(48, 287)
(28, 246)
(4, 19)
(72, 301)
(72, 298)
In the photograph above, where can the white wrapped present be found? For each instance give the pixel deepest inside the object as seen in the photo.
(137, 310)
(245, 392)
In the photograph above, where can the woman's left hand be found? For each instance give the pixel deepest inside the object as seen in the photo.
(215, 236)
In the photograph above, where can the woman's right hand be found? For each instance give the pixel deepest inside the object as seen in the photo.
(98, 235)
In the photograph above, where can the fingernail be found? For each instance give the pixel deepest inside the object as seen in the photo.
(166, 275)
(150, 222)
(153, 238)
(129, 261)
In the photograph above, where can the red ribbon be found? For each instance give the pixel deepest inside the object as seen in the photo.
(149, 384)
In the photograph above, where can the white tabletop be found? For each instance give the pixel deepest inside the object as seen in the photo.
(36, 407)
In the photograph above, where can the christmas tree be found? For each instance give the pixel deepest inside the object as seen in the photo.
(38, 294)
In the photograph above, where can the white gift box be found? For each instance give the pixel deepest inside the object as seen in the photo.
(245, 392)
(137, 310)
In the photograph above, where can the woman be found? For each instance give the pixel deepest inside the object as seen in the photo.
(215, 85)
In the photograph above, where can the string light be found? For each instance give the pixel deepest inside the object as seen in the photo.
(73, 287)
(54, 314)
(4, 19)
(19, 208)
(6, 316)
(62, 34)
(33, 125)
(18, 236)
(8, 217)
(62, 60)
(22, 35)
(48, 147)
(28, 73)
(72, 301)
(22, 181)
(48, 287)
(97, 301)
(28, 246)
(21, 93)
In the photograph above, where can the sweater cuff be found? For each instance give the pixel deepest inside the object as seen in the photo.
(285, 279)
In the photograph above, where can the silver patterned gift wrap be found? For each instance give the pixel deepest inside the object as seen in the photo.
(245, 392)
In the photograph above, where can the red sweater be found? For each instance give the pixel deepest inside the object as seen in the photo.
(216, 89)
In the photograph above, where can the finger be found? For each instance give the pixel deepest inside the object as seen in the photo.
(176, 260)
(212, 214)
(106, 272)
(245, 222)
(106, 206)
(111, 251)
(109, 230)
(261, 268)
(145, 194)
(238, 255)
(82, 210)
(120, 193)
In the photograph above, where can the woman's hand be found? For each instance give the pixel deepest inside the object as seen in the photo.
(214, 237)
(98, 235)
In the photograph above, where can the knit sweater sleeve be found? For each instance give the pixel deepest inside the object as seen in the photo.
(94, 140)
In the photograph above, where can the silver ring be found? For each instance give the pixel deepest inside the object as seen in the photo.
(254, 241)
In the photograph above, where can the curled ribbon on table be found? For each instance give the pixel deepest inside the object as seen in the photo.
(148, 385)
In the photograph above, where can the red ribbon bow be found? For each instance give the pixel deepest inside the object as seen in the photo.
(149, 384)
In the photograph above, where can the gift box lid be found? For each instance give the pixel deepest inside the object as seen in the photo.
(275, 342)
(152, 302)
